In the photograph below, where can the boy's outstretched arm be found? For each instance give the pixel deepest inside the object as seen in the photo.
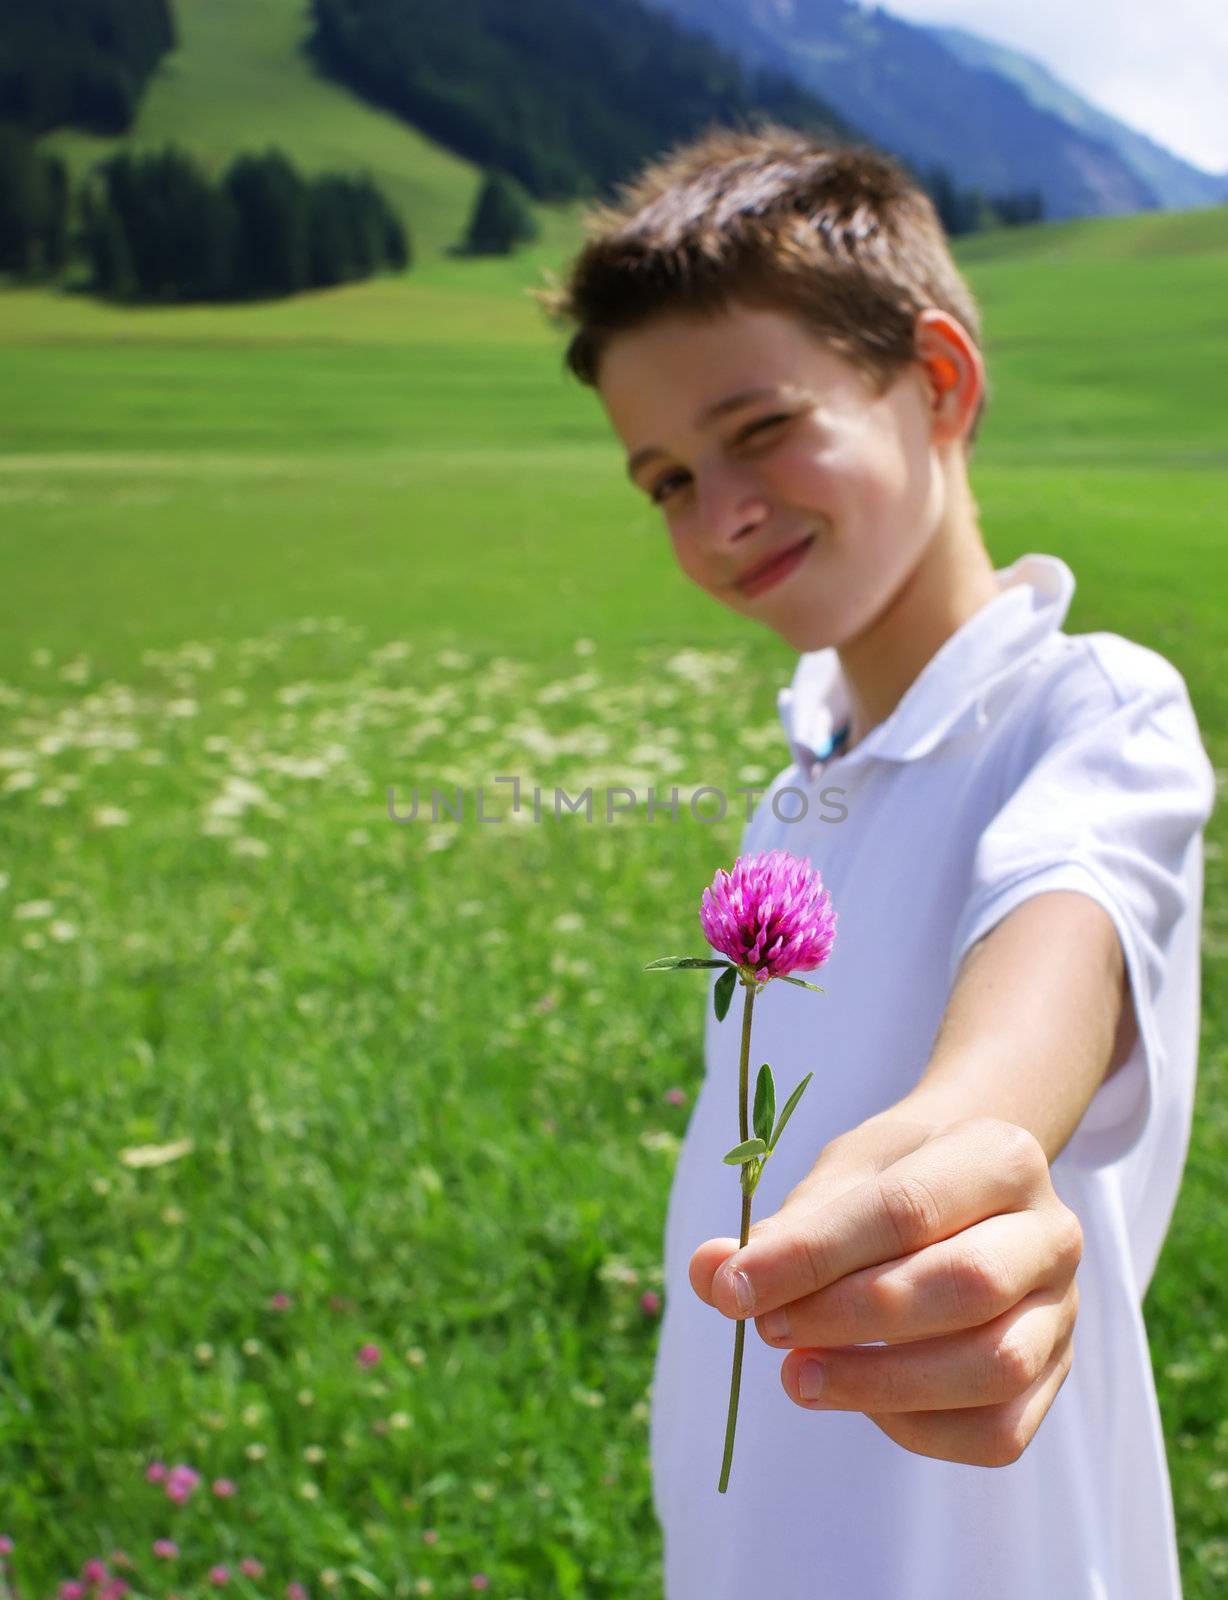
(1040, 1014)
(934, 1226)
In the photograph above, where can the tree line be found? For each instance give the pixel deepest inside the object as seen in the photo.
(79, 62)
(152, 226)
(969, 210)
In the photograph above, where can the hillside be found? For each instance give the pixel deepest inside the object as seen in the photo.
(570, 99)
(1089, 239)
(239, 80)
(242, 79)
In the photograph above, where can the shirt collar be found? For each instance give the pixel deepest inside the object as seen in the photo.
(1034, 595)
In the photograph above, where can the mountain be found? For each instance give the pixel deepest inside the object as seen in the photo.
(1178, 184)
(915, 95)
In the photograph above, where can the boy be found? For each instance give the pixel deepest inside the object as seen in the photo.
(1005, 1051)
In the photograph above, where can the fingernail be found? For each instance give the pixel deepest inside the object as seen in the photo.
(776, 1324)
(810, 1380)
(742, 1290)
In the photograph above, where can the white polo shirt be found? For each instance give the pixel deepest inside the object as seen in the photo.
(1021, 759)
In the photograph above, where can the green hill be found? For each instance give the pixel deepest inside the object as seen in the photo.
(1150, 233)
(561, 101)
(240, 81)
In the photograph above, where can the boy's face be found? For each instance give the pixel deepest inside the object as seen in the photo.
(847, 486)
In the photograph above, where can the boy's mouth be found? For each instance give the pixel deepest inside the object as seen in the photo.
(776, 567)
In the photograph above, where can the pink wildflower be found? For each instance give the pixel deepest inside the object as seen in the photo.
(165, 1549)
(250, 1567)
(224, 1488)
(650, 1303)
(181, 1483)
(368, 1355)
(155, 1472)
(72, 1590)
(219, 1575)
(95, 1571)
(295, 1591)
(770, 915)
(6, 1545)
(430, 1536)
(479, 1581)
(280, 1302)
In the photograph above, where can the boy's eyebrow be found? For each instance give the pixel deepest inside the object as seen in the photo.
(710, 414)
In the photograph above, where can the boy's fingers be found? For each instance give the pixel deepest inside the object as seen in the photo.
(705, 1263)
(987, 1366)
(960, 1282)
(986, 1436)
(972, 1171)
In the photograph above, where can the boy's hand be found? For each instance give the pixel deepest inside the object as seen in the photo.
(947, 1242)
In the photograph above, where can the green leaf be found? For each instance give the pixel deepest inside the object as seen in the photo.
(722, 994)
(368, 1580)
(765, 1103)
(667, 963)
(802, 984)
(567, 1571)
(788, 1111)
(744, 1152)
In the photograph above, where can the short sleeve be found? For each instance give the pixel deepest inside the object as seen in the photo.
(1113, 806)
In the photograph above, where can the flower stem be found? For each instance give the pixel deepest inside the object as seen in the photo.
(739, 1338)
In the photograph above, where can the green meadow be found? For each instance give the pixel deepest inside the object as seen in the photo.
(337, 1152)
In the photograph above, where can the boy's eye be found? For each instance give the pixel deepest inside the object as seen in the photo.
(658, 494)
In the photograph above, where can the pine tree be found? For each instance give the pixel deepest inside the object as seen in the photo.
(271, 206)
(33, 207)
(501, 217)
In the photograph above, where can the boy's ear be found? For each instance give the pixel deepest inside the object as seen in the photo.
(954, 371)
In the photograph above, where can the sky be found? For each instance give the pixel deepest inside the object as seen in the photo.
(1160, 67)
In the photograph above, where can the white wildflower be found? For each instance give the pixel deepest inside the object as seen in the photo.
(155, 1155)
(29, 909)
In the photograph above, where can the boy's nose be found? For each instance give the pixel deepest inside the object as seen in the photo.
(729, 512)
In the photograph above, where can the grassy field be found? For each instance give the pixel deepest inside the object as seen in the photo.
(337, 1152)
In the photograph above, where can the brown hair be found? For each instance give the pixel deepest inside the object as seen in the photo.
(772, 219)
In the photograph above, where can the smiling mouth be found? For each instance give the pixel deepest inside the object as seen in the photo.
(771, 572)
